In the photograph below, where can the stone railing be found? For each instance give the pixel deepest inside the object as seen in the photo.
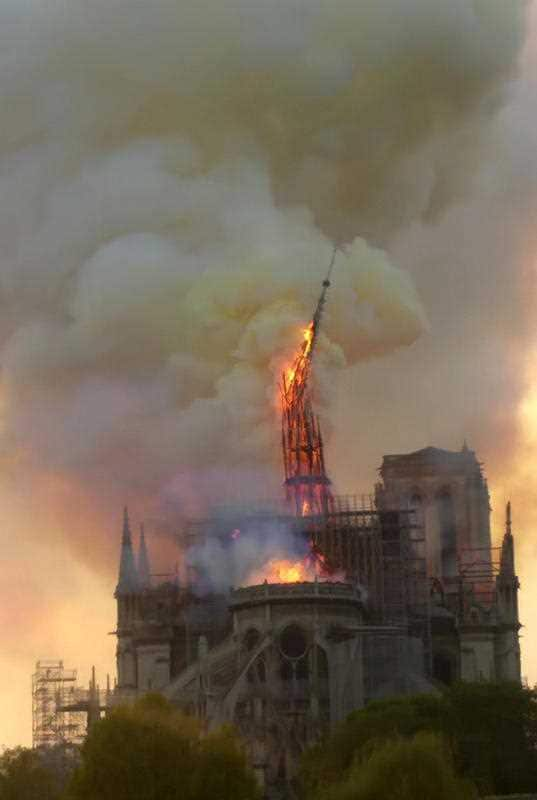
(289, 591)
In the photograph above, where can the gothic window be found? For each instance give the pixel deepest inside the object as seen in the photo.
(447, 533)
(286, 670)
(302, 669)
(294, 664)
(251, 639)
(293, 642)
(257, 673)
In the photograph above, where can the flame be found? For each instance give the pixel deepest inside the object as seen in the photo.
(291, 372)
(282, 570)
(285, 570)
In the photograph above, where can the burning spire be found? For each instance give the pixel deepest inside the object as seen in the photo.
(307, 485)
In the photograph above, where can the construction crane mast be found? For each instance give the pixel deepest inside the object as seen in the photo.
(306, 483)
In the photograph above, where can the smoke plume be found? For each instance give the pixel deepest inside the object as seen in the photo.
(173, 179)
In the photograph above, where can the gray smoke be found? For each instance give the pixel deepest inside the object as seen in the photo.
(171, 181)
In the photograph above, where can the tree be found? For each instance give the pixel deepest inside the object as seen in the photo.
(150, 751)
(490, 728)
(404, 769)
(325, 763)
(24, 775)
(494, 729)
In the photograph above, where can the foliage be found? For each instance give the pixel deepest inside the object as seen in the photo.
(494, 727)
(404, 769)
(490, 728)
(25, 775)
(401, 716)
(149, 751)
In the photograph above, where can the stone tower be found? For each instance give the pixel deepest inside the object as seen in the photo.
(473, 586)
(450, 498)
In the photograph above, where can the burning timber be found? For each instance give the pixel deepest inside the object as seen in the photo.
(401, 592)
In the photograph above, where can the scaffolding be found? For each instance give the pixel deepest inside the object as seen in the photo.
(61, 710)
(474, 585)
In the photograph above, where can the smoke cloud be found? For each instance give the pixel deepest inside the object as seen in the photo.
(173, 178)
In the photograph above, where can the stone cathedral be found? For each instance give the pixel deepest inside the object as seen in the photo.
(420, 598)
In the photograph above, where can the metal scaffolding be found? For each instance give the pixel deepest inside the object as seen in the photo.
(61, 710)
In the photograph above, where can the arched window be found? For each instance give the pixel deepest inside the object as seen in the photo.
(252, 637)
(447, 533)
(293, 642)
(294, 646)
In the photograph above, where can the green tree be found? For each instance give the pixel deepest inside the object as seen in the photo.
(404, 769)
(149, 751)
(490, 728)
(24, 775)
(494, 730)
(325, 763)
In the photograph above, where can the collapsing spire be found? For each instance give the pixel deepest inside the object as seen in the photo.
(307, 485)
(128, 576)
(144, 572)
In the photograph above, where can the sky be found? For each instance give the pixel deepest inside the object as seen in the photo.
(173, 180)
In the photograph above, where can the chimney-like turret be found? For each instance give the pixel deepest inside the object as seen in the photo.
(128, 576)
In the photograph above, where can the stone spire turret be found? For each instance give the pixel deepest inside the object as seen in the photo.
(128, 577)
(507, 587)
(507, 558)
(144, 571)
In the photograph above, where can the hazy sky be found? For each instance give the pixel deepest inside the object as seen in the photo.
(173, 177)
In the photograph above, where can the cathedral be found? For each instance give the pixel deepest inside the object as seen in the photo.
(414, 597)
(397, 594)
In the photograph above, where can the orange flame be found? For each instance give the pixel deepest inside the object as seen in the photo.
(304, 352)
(283, 571)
